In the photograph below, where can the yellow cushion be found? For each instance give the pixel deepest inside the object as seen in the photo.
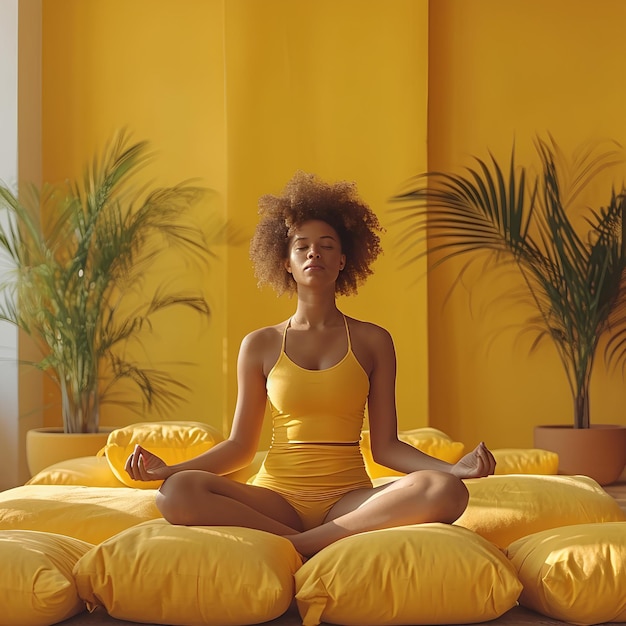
(92, 514)
(575, 574)
(90, 471)
(174, 442)
(190, 575)
(505, 508)
(423, 574)
(36, 582)
(526, 461)
(428, 440)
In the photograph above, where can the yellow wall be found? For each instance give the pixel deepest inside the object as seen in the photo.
(157, 69)
(241, 94)
(499, 72)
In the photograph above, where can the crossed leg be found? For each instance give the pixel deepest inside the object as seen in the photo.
(417, 498)
(199, 498)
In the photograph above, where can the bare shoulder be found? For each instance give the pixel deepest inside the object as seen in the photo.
(263, 345)
(369, 333)
(372, 344)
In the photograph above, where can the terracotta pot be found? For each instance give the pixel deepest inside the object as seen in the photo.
(46, 446)
(598, 452)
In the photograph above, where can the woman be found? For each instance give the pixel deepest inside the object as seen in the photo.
(319, 369)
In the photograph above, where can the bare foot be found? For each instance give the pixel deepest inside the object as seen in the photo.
(294, 538)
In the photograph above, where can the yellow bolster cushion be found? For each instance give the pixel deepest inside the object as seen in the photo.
(91, 514)
(174, 442)
(423, 574)
(575, 574)
(505, 508)
(192, 575)
(36, 582)
(89, 471)
(525, 461)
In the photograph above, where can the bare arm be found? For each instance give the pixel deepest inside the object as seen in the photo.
(387, 449)
(239, 449)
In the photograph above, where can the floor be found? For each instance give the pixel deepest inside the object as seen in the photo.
(517, 616)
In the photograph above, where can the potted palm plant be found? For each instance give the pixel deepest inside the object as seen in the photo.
(576, 281)
(75, 252)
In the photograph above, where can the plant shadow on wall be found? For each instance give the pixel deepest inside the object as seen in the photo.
(575, 281)
(77, 254)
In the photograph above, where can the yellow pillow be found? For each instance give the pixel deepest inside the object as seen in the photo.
(576, 574)
(36, 582)
(526, 461)
(91, 514)
(90, 471)
(174, 442)
(423, 574)
(505, 508)
(428, 440)
(192, 575)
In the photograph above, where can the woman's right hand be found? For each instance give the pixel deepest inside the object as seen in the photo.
(143, 465)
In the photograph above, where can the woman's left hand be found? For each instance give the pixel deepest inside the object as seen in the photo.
(478, 463)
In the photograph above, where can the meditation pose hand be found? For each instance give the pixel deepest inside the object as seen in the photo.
(478, 463)
(143, 465)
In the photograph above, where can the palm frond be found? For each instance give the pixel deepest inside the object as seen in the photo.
(577, 283)
(75, 251)
(158, 390)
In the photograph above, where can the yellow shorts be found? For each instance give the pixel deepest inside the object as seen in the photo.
(313, 477)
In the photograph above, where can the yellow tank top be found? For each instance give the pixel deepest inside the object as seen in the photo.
(317, 406)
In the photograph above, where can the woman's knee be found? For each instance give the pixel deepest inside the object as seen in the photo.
(446, 494)
(177, 495)
(457, 497)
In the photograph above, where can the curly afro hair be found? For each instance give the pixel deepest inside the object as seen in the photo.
(305, 198)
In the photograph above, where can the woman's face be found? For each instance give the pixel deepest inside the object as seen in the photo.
(314, 254)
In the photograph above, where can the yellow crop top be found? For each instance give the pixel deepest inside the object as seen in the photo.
(317, 406)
